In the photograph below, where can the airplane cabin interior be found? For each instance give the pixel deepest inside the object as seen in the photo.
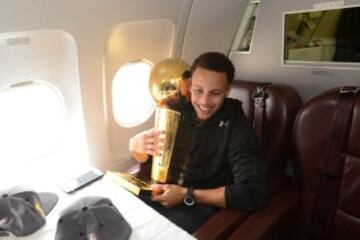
(74, 88)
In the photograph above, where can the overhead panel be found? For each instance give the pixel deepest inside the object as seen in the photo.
(212, 26)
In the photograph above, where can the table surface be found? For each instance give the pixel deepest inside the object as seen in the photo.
(146, 223)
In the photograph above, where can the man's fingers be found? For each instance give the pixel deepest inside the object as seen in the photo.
(157, 194)
(159, 187)
(153, 146)
(154, 133)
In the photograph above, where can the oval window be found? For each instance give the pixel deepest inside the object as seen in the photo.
(32, 121)
(131, 98)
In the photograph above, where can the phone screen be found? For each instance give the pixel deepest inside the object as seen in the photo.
(81, 181)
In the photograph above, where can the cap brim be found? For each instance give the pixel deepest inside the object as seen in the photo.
(48, 201)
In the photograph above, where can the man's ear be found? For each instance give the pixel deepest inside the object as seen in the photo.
(228, 91)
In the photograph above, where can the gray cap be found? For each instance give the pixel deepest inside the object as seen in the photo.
(23, 211)
(92, 218)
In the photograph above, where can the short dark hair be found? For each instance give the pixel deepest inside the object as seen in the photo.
(215, 61)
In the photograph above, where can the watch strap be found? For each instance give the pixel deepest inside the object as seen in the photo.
(189, 199)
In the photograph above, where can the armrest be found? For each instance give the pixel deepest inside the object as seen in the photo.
(221, 225)
(133, 169)
(277, 220)
(142, 171)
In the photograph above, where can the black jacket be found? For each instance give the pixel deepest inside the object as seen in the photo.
(226, 152)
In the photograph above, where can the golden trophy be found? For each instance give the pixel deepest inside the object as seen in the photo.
(168, 121)
(168, 88)
(166, 80)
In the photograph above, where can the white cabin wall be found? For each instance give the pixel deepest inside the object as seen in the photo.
(90, 22)
(200, 25)
(264, 62)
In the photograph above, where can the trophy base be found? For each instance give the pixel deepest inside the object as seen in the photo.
(131, 183)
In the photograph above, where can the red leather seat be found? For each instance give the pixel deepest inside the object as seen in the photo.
(281, 106)
(313, 134)
(327, 149)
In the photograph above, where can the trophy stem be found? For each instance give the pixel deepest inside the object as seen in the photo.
(168, 121)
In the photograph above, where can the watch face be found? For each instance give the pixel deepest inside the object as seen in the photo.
(189, 198)
(189, 201)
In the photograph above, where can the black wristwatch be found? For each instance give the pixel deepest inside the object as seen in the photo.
(189, 199)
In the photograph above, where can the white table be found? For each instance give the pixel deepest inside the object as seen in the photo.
(146, 223)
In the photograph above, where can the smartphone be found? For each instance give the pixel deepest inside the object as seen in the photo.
(81, 181)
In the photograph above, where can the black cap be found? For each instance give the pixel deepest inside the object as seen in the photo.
(23, 211)
(92, 218)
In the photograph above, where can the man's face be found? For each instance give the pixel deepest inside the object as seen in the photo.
(208, 91)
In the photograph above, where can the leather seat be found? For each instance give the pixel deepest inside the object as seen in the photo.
(326, 140)
(281, 106)
(313, 135)
(274, 129)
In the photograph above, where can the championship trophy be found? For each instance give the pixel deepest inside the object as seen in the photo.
(168, 88)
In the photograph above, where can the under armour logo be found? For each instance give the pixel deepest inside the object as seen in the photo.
(223, 123)
(92, 236)
(4, 220)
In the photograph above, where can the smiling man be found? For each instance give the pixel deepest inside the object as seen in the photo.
(208, 91)
(225, 168)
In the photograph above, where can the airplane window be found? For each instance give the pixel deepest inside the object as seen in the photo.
(242, 42)
(131, 98)
(330, 35)
(31, 122)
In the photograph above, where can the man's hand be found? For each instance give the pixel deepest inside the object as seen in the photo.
(150, 142)
(169, 195)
